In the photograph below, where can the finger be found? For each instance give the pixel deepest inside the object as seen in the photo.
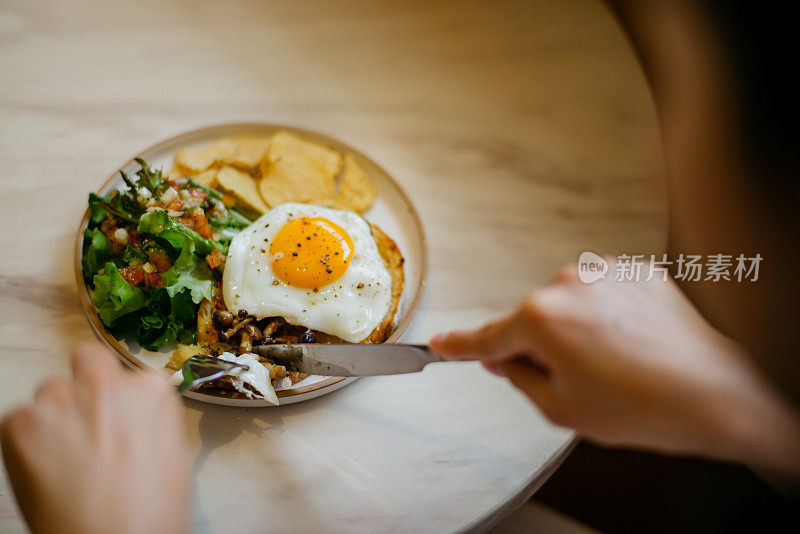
(495, 340)
(94, 358)
(56, 390)
(13, 422)
(531, 379)
(493, 367)
(568, 274)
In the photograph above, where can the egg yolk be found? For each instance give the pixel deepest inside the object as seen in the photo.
(310, 252)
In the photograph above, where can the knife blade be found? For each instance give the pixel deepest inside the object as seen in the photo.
(349, 359)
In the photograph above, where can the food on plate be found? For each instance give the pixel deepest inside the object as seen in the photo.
(281, 168)
(313, 266)
(253, 382)
(222, 329)
(241, 186)
(207, 178)
(153, 252)
(179, 257)
(244, 152)
(356, 190)
(297, 170)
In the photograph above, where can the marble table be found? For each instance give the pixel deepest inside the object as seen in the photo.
(523, 134)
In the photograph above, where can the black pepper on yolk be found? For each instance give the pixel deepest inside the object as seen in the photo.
(311, 252)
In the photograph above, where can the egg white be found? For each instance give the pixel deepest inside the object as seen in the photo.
(340, 308)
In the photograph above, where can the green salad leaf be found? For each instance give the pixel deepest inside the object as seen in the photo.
(159, 224)
(192, 273)
(98, 251)
(234, 220)
(121, 205)
(134, 254)
(113, 296)
(150, 178)
(96, 210)
(162, 308)
(166, 319)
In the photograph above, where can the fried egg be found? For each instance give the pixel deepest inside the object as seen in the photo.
(313, 266)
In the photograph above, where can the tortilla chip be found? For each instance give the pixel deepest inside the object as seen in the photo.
(242, 186)
(356, 190)
(207, 178)
(297, 170)
(196, 160)
(287, 144)
(173, 173)
(245, 152)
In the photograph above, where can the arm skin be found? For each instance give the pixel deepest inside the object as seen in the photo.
(636, 364)
(101, 452)
(724, 194)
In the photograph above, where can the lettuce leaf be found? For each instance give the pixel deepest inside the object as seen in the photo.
(114, 297)
(100, 250)
(153, 316)
(159, 224)
(96, 210)
(161, 321)
(167, 319)
(134, 254)
(192, 273)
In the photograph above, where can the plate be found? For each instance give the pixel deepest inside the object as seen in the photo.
(392, 211)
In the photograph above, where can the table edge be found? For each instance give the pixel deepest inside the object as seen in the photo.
(485, 521)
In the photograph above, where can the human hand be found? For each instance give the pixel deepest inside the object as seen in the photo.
(101, 452)
(633, 363)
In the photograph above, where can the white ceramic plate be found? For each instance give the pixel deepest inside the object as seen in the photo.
(392, 212)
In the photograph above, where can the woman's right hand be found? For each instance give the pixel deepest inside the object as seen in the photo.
(633, 363)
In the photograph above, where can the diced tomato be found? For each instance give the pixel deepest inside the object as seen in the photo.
(134, 275)
(197, 221)
(187, 221)
(201, 225)
(133, 238)
(215, 259)
(109, 224)
(161, 261)
(109, 231)
(155, 280)
(117, 247)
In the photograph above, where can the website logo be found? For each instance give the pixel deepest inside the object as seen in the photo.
(591, 267)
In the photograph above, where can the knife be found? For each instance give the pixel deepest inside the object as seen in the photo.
(349, 359)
